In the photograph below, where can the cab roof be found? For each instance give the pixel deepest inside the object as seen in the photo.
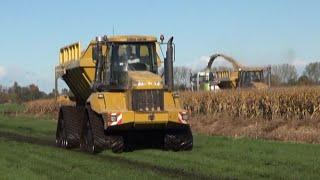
(131, 38)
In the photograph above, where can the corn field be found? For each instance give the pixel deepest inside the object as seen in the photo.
(285, 103)
(44, 106)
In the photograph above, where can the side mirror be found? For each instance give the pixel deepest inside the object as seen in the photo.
(161, 38)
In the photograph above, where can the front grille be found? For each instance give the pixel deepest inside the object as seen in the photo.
(147, 100)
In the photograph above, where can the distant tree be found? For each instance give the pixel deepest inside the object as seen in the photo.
(4, 96)
(34, 92)
(64, 91)
(312, 71)
(181, 76)
(304, 80)
(52, 94)
(292, 82)
(285, 73)
(15, 88)
(14, 91)
(17, 93)
(275, 80)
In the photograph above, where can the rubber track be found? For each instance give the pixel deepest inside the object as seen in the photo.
(179, 140)
(117, 144)
(72, 116)
(97, 127)
(187, 140)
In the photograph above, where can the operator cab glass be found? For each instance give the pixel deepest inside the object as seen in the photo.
(206, 78)
(251, 76)
(133, 57)
(125, 57)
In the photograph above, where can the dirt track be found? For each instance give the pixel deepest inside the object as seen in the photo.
(26, 139)
(170, 172)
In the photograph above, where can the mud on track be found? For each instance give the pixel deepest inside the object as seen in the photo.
(171, 172)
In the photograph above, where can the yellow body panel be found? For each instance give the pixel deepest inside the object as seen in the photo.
(143, 118)
(145, 80)
(116, 102)
(128, 116)
(106, 103)
(169, 102)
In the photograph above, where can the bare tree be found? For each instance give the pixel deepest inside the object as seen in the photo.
(304, 80)
(285, 73)
(181, 76)
(312, 71)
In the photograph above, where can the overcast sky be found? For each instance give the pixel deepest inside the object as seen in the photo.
(254, 32)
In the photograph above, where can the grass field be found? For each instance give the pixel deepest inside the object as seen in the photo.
(11, 108)
(27, 152)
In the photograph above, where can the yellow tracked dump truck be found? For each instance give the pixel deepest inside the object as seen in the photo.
(121, 100)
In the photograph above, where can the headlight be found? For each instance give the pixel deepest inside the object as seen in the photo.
(183, 117)
(158, 83)
(138, 83)
(114, 119)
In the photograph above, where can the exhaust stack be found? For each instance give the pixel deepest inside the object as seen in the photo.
(97, 55)
(168, 66)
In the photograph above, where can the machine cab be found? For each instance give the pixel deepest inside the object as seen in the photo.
(124, 55)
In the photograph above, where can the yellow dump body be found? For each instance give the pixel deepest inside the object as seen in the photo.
(228, 79)
(77, 70)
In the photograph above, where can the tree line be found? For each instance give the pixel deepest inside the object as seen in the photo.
(18, 94)
(286, 74)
